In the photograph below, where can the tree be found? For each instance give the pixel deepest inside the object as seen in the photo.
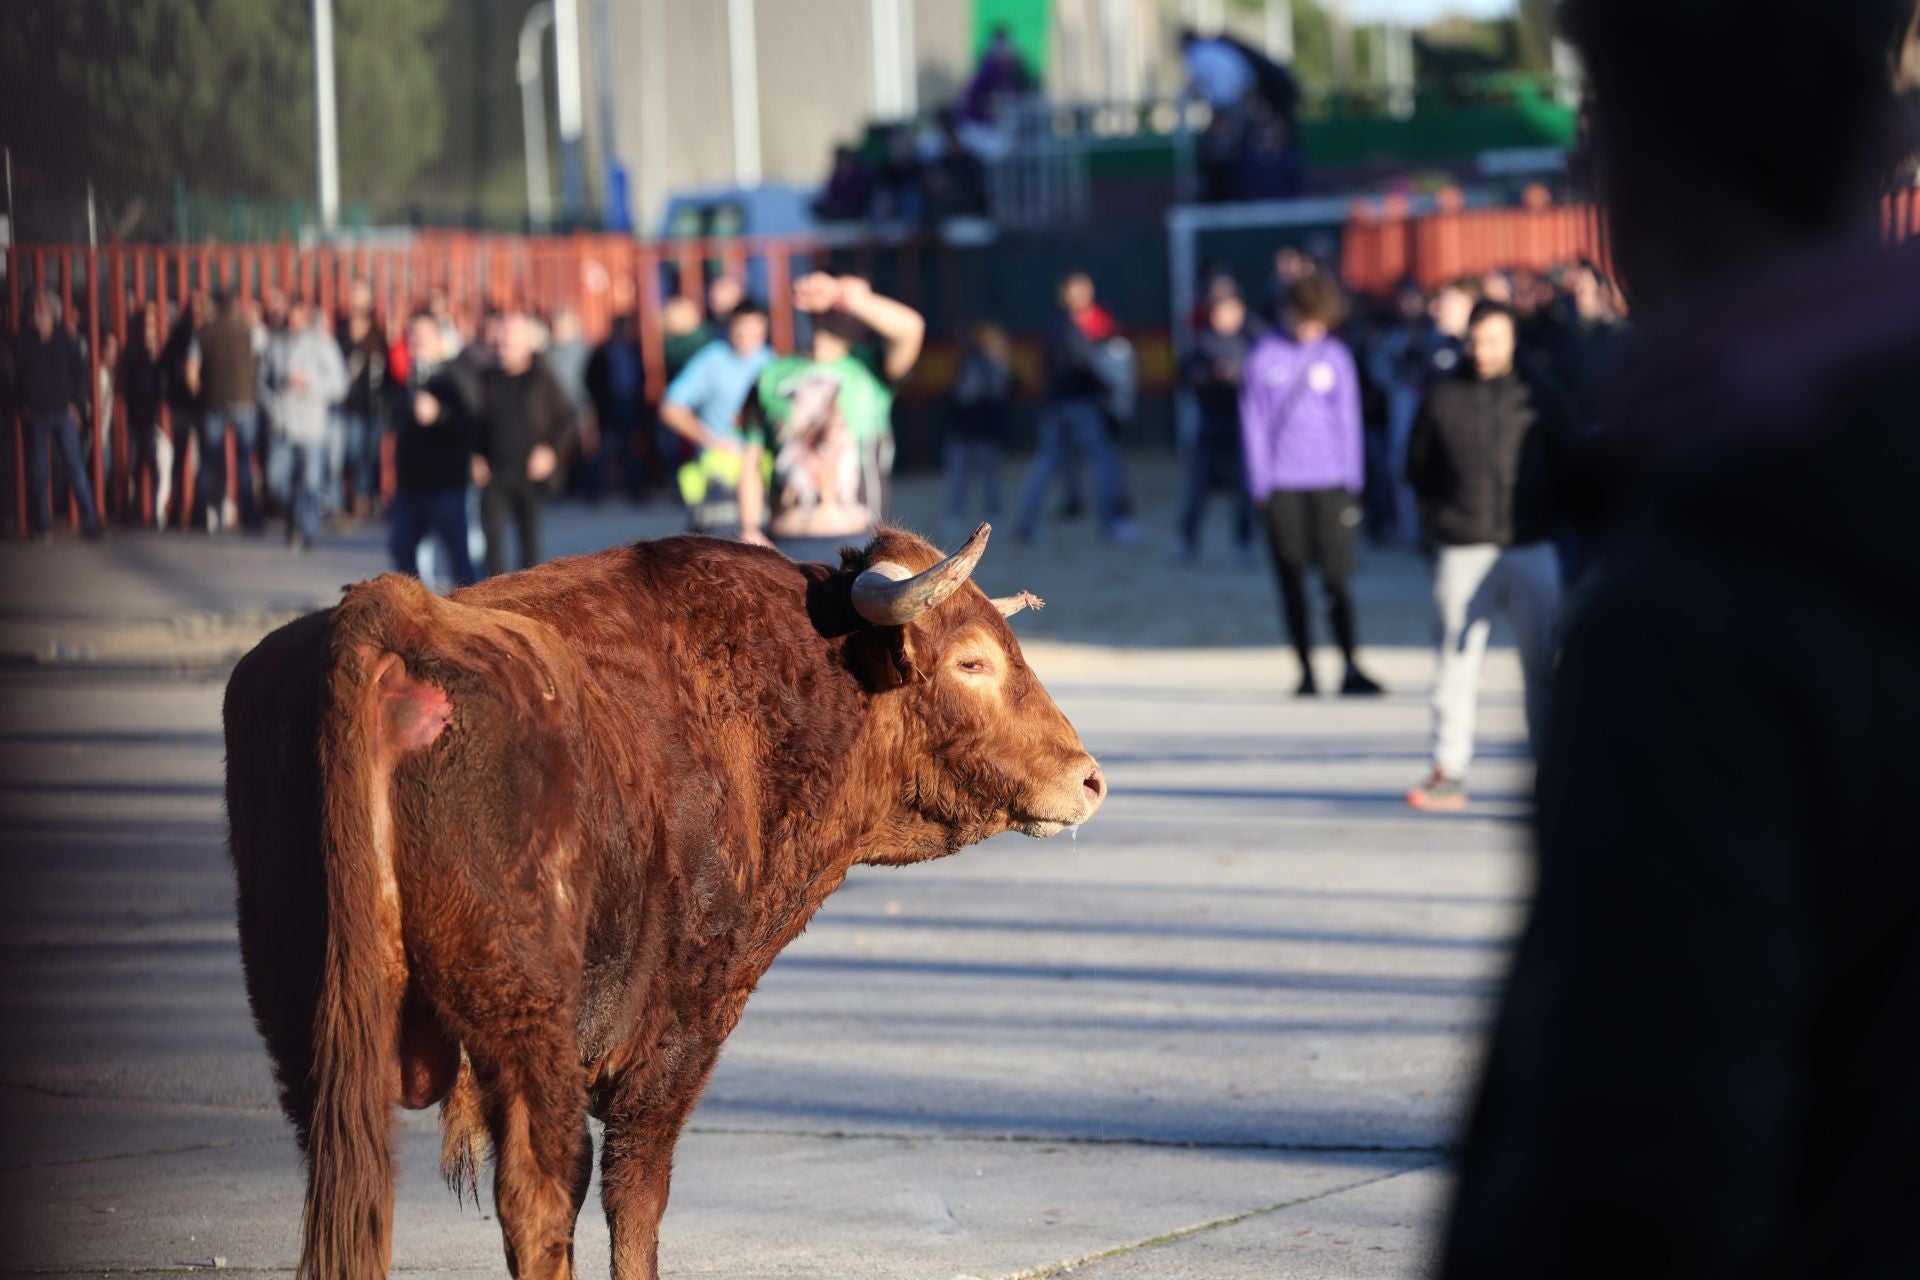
(217, 94)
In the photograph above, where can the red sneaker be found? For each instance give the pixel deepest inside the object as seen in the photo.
(1439, 794)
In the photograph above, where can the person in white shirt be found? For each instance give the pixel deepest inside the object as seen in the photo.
(301, 378)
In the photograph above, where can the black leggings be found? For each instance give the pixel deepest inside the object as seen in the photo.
(1313, 528)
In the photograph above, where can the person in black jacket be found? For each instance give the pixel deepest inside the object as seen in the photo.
(1212, 371)
(433, 414)
(1702, 1065)
(142, 383)
(526, 430)
(616, 381)
(1486, 460)
(181, 378)
(52, 378)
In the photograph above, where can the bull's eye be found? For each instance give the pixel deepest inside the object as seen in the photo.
(974, 666)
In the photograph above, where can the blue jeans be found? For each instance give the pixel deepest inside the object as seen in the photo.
(971, 462)
(210, 488)
(292, 463)
(353, 451)
(413, 515)
(47, 431)
(1069, 430)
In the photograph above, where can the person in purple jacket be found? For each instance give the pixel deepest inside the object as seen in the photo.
(1305, 456)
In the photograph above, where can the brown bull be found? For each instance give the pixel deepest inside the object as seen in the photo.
(527, 850)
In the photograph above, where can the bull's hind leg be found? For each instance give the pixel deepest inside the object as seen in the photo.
(543, 1152)
(636, 1159)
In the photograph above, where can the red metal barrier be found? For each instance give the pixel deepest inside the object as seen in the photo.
(1383, 245)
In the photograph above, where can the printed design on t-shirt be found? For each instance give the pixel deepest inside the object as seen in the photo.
(817, 468)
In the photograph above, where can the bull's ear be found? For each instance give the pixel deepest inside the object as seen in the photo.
(885, 657)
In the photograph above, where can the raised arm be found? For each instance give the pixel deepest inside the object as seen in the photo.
(899, 327)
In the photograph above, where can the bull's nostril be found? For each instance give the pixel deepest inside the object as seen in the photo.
(1096, 784)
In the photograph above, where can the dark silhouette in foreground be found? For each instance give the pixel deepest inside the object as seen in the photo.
(1703, 1064)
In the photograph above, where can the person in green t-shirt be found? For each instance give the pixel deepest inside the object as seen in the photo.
(825, 420)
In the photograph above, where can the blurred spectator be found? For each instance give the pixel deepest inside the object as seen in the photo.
(685, 334)
(724, 293)
(1300, 419)
(824, 420)
(527, 429)
(978, 412)
(183, 400)
(52, 378)
(899, 192)
(1074, 422)
(1399, 362)
(475, 339)
(1450, 310)
(1291, 265)
(616, 378)
(1213, 372)
(567, 355)
(1701, 1065)
(109, 423)
(1217, 70)
(301, 378)
(440, 307)
(1271, 167)
(142, 380)
(848, 194)
(1001, 75)
(221, 362)
(434, 415)
(1248, 150)
(353, 444)
(1488, 461)
(955, 181)
(1590, 344)
(702, 408)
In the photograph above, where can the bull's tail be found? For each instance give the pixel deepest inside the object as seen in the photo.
(464, 1141)
(356, 1053)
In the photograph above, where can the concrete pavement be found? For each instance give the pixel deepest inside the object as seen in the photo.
(1225, 1030)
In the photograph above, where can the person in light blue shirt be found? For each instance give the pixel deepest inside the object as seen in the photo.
(702, 407)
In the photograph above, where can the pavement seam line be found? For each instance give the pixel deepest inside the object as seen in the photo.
(1084, 1140)
(1047, 1270)
(157, 1151)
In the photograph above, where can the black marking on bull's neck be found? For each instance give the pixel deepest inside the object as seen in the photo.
(830, 602)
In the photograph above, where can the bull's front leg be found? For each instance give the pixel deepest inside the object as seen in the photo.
(636, 1154)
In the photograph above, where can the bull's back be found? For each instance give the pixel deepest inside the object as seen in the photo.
(275, 702)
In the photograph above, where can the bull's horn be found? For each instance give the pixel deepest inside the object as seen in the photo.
(1010, 605)
(893, 595)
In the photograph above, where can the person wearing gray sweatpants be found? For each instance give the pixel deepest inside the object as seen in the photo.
(1485, 460)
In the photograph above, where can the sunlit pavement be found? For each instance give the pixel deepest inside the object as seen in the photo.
(1239, 1009)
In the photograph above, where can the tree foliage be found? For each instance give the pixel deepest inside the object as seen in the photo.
(134, 94)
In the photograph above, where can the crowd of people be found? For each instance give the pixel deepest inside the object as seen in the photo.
(490, 415)
(1446, 421)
